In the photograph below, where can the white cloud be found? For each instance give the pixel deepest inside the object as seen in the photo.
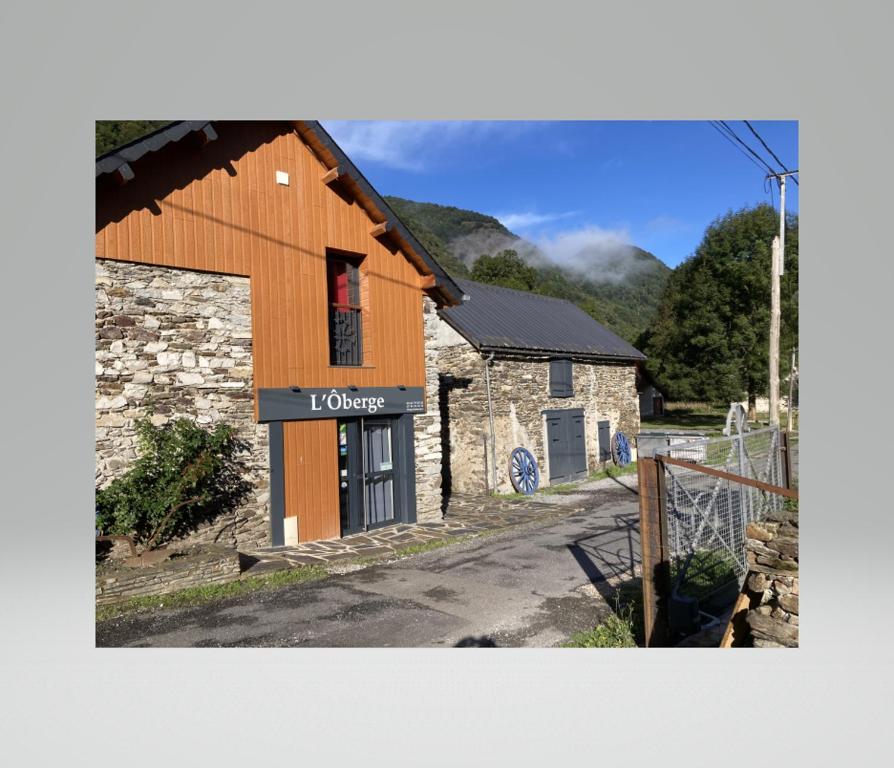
(528, 219)
(412, 145)
(591, 252)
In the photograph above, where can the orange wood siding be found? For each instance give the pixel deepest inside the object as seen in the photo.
(310, 450)
(218, 208)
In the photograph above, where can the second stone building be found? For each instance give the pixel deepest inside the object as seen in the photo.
(520, 370)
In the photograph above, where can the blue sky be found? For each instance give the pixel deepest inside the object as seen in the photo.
(562, 184)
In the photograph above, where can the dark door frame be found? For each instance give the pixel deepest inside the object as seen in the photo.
(381, 475)
(403, 473)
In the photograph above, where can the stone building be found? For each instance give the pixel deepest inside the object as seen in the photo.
(247, 273)
(651, 399)
(516, 369)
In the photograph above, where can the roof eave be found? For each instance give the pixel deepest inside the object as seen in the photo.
(531, 351)
(445, 291)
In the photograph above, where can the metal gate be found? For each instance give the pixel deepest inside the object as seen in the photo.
(696, 500)
(566, 444)
(708, 514)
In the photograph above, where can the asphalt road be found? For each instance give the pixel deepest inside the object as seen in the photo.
(532, 586)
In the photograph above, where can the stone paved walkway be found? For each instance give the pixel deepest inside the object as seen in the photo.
(465, 515)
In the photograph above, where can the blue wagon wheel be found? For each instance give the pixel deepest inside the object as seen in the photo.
(620, 449)
(523, 471)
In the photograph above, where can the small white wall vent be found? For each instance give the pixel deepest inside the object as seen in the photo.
(282, 178)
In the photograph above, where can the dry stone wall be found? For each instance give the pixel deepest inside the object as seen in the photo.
(213, 564)
(180, 340)
(772, 551)
(519, 393)
(427, 431)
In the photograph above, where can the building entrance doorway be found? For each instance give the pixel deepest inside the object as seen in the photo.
(367, 467)
(566, 445)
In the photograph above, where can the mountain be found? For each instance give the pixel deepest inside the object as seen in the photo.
(622, 292)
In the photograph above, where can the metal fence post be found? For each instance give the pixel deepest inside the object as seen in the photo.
(745, 492)
(785, 444)
(653, 546)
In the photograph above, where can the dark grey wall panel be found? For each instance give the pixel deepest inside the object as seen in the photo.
(277, 485)
(407, 476)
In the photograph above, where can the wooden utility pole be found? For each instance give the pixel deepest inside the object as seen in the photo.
(774, 333)
(776, 270)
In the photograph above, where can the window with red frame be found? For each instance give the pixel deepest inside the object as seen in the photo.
(345, 316)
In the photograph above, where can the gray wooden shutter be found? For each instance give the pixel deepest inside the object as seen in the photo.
(560, 384)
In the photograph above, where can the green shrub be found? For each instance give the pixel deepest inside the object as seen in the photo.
(185, 475)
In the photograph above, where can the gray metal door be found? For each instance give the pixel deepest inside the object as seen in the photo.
(605, 441)
(566, 444)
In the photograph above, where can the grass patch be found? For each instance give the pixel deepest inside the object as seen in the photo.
(511, 495)
(706, 417)
(207, 593)
(708, 572)
(618, 630)
(701, 417)
(599, 474)
(613, 471)
(615, 632)
(550, 490)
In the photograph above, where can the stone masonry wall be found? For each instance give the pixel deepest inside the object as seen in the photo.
(772, 552)
(181, 339)
(519, 392)
(214, 564)
(427, 431)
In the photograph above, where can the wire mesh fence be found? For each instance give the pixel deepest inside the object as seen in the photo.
(707, 515)
(794, 456)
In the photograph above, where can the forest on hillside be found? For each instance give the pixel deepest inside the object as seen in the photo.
(621, 290)
(111, 134)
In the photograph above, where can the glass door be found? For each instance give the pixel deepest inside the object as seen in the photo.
(378, 473)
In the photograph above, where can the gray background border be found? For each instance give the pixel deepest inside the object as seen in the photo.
(64, 65)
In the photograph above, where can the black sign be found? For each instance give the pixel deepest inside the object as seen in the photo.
(338, 402)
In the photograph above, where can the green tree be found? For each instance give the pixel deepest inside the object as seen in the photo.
(113, 133)
(710, 337)
(505, 268)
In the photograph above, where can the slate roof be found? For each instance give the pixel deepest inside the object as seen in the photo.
(502, 319)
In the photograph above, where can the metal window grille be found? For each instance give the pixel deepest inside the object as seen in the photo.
(345, 314)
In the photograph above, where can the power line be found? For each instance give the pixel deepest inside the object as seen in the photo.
(758, 136)
(716, 127)
(736, 137)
